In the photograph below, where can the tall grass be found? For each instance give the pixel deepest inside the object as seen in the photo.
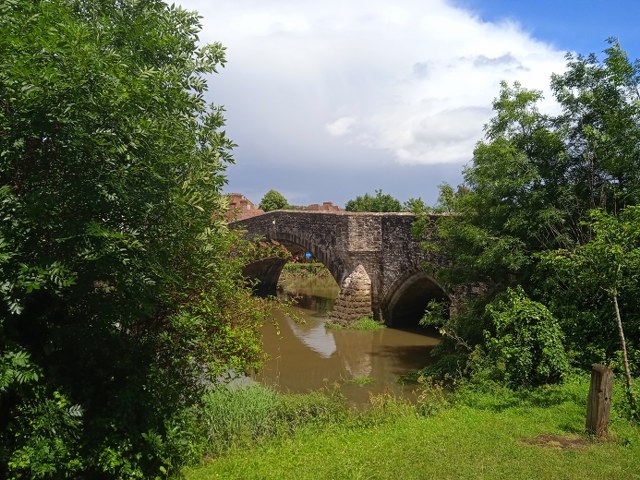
(245, 417)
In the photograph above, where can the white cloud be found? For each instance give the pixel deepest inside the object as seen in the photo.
(341, 126)
(254, 24)
(414, 79)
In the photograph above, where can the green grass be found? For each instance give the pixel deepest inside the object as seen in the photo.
(495, 434)
(294, 272)
(310, 267)
(362, 380)
(305, 276)
(243, 417)
(364, 324)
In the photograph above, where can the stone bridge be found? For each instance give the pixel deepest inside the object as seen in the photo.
(374, 257)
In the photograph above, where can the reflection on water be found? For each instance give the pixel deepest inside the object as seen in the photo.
(306, 356)
(316, 338)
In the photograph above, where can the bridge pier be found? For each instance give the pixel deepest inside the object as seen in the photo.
(354, 299)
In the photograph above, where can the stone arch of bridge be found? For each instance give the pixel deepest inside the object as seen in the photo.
(323, 253)
(405, 303)
(267, 271)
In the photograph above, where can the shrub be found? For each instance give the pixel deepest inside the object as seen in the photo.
(526, 346)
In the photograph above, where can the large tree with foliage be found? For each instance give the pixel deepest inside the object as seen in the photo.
(534, 179)
(273, 200)
(381, 202)
(121, 297)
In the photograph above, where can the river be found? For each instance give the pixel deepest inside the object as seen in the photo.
(304, 355)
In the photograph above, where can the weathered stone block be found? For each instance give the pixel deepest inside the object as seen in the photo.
(356, 285)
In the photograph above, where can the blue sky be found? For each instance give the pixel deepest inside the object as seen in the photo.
(580, 26)
(330, 100)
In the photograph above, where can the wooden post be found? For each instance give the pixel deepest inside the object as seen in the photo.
(599, 401)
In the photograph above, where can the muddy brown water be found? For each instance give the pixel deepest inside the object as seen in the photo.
(304, 355)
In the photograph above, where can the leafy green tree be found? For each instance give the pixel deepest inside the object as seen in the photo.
(415, 205)
(273, 200)
(506, 208)
(121, 287)
(602, 275)
(601, 127)
(535, 178)
(379, 203)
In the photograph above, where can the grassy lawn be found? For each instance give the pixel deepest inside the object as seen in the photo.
(503, 435)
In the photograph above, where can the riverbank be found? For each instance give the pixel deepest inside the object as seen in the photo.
(495, 433)
(297, 275)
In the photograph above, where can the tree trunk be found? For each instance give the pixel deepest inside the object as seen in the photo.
(623, 342)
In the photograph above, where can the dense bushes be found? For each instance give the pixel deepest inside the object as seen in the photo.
(526, 345)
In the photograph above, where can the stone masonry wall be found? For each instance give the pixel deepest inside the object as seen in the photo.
(380, 244)
(354, 299)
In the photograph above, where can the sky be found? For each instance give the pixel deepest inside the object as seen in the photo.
(334, 99)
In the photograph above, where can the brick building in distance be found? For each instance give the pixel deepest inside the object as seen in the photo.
(240, 208)
(325, 207)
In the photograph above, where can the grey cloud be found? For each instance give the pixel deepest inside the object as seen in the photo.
(316, 184)
(421, 69)
(296, 66)
(447, 136)
(502, 60)
(456, 124)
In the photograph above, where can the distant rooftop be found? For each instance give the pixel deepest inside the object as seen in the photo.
(240, 207)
